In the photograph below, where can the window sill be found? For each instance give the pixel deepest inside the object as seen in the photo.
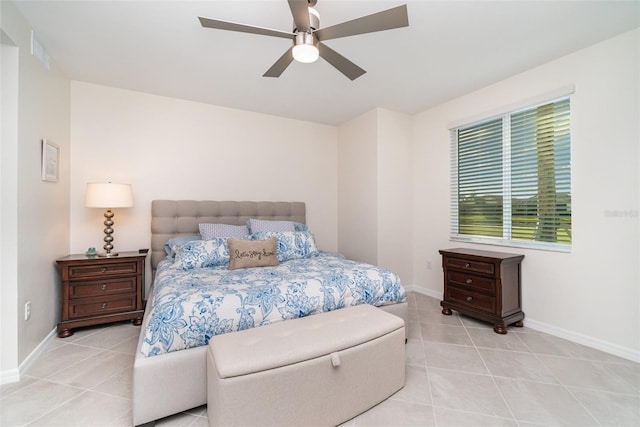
(551, 247)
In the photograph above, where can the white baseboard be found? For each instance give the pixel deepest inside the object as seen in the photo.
(14, 375)
(9, 376)
(423, 291)
(607, 347)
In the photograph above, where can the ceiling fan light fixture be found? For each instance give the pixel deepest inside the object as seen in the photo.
(305, 53)
(305, 48)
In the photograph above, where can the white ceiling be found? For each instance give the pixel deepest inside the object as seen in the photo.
(450, 48)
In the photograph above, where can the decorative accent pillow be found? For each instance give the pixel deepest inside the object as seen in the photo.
(173, 244)
(260, 225)
(202, 253)
(252, 253)
(214, 231)
(291, 244)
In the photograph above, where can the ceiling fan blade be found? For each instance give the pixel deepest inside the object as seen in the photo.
(280, 65)
(341, 63)
(243, 28)
(386, 20)
(300, 12)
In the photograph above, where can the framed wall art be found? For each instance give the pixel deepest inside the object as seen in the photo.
(50, 158)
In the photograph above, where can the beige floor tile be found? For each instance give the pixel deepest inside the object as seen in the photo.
(586, 374)
(89, 409)
(467, 392)
(178, 420)
(610, 409)
(7, 389)
(34, 401)
(445, 334)
(436, 317)
(630, 373)
(60, 358)
(514, 364)
(414, 353)
(91, 372)
(546, 404)
(487, 338)
(454, 357)
(554, 346)
(416, 386)
(446, 358)
(111, 336)
(119, 384)
(128, 346)
(388, 413)
(471, 322)
(451, 418)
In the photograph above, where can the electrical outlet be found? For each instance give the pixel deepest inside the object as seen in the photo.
(429, 265)
(27, 310)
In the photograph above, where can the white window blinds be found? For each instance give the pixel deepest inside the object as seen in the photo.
(511, 178)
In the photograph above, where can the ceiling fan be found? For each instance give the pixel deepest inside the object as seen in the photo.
(307, 36)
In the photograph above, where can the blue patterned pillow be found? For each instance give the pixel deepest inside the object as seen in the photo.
(291, 244)
(202, 253)
(262, 225)
(173, 244)
(300, 227)
(214, 231)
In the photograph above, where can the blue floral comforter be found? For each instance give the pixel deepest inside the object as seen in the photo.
(191, 306)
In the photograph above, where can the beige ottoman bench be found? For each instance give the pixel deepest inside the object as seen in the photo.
(319, 370)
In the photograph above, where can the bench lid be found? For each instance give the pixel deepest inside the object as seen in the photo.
(293, 341)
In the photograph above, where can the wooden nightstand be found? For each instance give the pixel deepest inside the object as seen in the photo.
(484, 285)
(101, 290)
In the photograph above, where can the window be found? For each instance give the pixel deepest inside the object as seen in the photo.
(511, 179)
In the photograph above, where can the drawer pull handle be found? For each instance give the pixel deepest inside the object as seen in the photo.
(103, 287)
(467, 265)
(104, 305)
(469, 299)
(469, 281)
(103, 270)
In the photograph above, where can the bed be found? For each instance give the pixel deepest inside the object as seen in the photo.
(170, 380)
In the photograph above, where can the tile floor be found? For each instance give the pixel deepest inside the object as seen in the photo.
(459, 373)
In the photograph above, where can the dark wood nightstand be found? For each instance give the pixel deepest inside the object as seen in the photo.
(484, 285)
(99, 290)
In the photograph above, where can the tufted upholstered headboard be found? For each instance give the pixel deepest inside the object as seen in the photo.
(171, 218)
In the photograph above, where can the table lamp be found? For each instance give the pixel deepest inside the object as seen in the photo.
(108, 195)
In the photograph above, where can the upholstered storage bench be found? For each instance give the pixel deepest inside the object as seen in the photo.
(317, 370)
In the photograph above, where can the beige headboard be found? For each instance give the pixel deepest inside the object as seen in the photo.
(171, 218)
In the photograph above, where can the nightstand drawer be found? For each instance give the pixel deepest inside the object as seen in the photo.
(92, 271)
(484, 283)
(471, 299)
(98, 306)
(102, 287)
(465, 264)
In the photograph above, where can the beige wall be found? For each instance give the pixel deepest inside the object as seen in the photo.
(35, 214)
(395, 217)
(358, 193)
(173, 149)
(592, 293)
(374, 190)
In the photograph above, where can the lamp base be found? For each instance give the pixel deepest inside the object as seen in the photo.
(107, 255)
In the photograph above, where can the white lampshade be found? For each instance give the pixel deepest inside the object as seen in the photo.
(108, 195)
(305, 53)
